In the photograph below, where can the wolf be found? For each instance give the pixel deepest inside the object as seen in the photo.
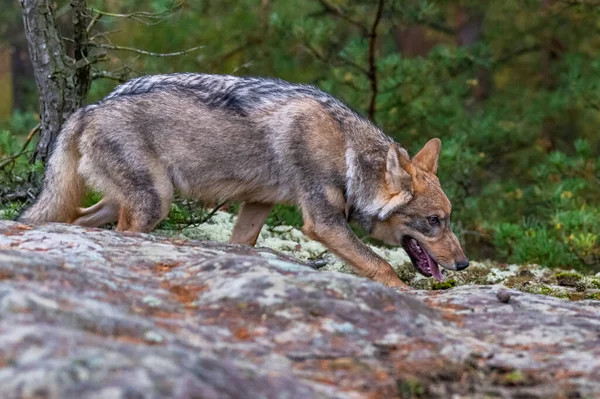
(259, 141)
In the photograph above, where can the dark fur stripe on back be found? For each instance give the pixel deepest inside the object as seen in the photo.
(241, 94)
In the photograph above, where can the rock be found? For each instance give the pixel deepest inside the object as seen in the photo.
(503, 296)
(90, 313)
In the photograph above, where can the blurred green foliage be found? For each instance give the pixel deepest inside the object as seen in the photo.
(511, 88)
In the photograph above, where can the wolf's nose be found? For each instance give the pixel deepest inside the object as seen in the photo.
(462, 265)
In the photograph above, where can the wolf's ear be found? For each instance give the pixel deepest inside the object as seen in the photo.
(427, 158)
(398, 170)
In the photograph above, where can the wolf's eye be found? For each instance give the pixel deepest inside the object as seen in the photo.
(433, 220)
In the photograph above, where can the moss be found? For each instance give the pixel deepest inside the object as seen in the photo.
(596, 283)
(582, 286)
(514, 378)
(406, 272)
(563, 295)
(576, 296)
(476, 274)
(544, 290)
(518, 282)
(444, 285)
(595, 296)
(568, 279)
(410, 388)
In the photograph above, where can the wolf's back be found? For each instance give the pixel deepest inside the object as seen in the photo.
(242, 95)
(63, 187)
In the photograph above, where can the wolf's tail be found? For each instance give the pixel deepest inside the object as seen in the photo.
(64, 187)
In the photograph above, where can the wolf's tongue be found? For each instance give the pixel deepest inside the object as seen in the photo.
(434, 268)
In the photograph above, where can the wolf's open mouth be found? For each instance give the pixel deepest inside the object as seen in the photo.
(421, 260)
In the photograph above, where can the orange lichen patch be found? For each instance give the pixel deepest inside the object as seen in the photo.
(154, 312)
(453, 317)
(420, 368)
(16, 230)
(168, 326)
(163, 267)
(349, 374)
(338, 342)
(184, 294)
(243, 334)
(389, 308)
(341, 363)
(444, 305)
(381, 375)
(334, 294)
(178, 242)
(564, 374)
(163, 314)
(387, 393)
(323, 379)
(416, 345)
(5, 275)
(129, 339)
(542, 350)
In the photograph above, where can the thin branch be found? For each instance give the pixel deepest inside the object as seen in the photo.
(90, 60)
(120, 74)
(121, 78)
(194, 222)
(580, 3)
(244, 65)
(104, 35)
(144, 52)
(138, 14)
(342, 60)
(92, 23)
(143, 17)
(23, 149)
(243, 47)
(212, 213)
(372, 73)
(354, 87)
(332, 9)
(507, 57)
(350, 63)
(438, 27)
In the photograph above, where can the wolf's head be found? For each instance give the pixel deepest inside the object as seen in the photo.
(416, 214)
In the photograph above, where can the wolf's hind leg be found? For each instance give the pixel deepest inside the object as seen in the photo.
(250, 220)
(104, 212)
(146, 207)
(131, 177)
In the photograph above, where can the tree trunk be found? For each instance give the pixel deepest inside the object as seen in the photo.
(553, 50)
(469, 31)
(83, 79)
(60, 84)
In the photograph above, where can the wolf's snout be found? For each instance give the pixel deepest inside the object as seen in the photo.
(462, 264)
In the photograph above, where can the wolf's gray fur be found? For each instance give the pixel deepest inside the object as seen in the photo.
(214, 137)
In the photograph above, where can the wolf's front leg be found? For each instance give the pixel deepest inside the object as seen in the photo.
(333, 231)
(250, 220)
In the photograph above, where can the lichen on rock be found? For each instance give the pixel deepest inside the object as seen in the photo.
(291, 241)
(95, 313)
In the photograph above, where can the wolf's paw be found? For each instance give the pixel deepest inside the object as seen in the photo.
(395, 282)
